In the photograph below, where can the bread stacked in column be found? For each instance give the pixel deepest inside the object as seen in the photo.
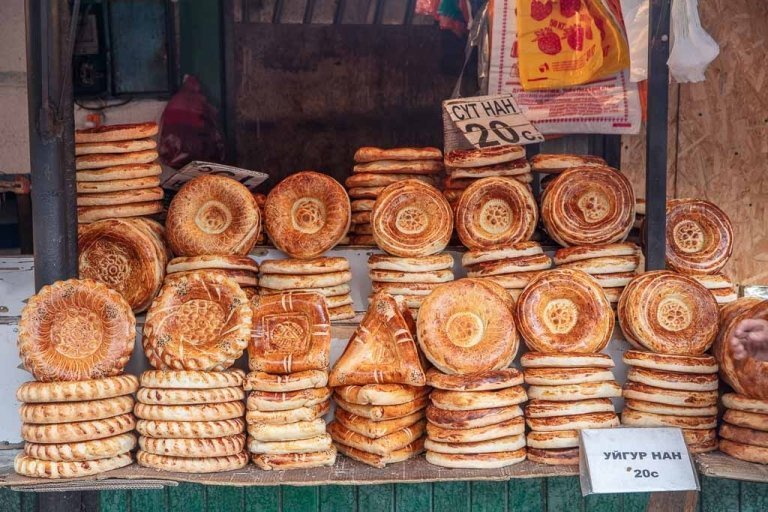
(76, 337)
(191, 408)
(117, 175)
(128, 255)
(289, 355)
(675, 383)
(744, 430)
(379, 388)
(495, 219)
(565, 320)
(376, 168)
(466, 330)
(412, 222)
(307, 214)
(465, 166)
(242, 269)
(699, 243)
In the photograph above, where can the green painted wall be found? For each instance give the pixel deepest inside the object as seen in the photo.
(534, 495)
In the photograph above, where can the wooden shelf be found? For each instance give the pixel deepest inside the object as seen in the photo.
(720, 465)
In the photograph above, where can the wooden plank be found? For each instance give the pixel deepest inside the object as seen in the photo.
(489, 496)
(413, 497)
(187, 497)
(376, 498)
(262, 499)
(527, 495)
(754, 497)
(718, 464)
(300, 498)
(636, 502)
(10, 500)
(564, 493)
(148, 500)
(674, 501)
(453, 496)
(224, 499)
(603, 502)
(719, 494)
(115, 501)
(29, 502)
(337, 497)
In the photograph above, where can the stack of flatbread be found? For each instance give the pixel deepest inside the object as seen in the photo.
(289, 355)
(76, 428)
(328, 276)
(553, 164)
(613, 266)
(374, 169)
(191, 421)
(665, 390)
(568, 392)
(464, 166)
(243, 269)
(410, 279)
(720, 285)
(117, 172)
(512, 267)
(744, 431)
(379, 386)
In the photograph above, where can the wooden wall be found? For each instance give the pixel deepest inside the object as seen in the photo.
(718, 140)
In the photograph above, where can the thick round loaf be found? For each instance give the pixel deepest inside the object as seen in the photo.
(549, 409)
(375, 429)
(512, 251)
(186, 447)
(204, 412)
(191, 379)
(373, 154)
(589, 252)
(281, 462)
(323, 265)
(670, 362)
(476, 461)
(68, 412)
(86, 214)
(571, 392)
(754, 420)
(76, 432)
(288, 416)
(574, 422)
(272, 401)
(190, 429)
(479, 157)
(742, 451)
(212, 261)
(512, 427)
(36, 468)
(313, 444)
(192, 464)
(557, 163)
(379, 446)
(85, 450)
(459, 420)
(260, 381)
(744, 435)
(471, 400)
(159, 396)
(478, 381)
(699, 237)
(304, 281)
(76, 391)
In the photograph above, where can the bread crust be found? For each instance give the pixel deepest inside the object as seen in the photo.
(744, 435)
(476, 461)
(87, 214)
(574, 422)
(119, 172)
(427, 167)
(373, 154)
(557, 163)
(674, 410)
(202, 412)
(116, 132)
(458, 420)
(265, 432)
(390, 276)
(83, 451)
(479, 157)
(192, 464)
(744, 403)
(571, 392)
(381, 461)
(479, 381)
(192, 379)
(379, 446)
(120, 197)
(186, 447)
(753, 420)
(75, 411)
(277, 401)
(35, 468)
(382, 412)
(99, 161)
(511, 427)
(313, 444)
(127, 146)
(674, 380)
(559, 376)
(435, 262)
(297, 282)
(76, 432)
(381, 394)
(76, 391)
(260, 381)
(98, 187)
(699, 236)
(537, 262)
(190, 429)
(281, 462)
(638, 391)
(159, 396)
(565, 360)
(375, 429)
(502, 444)
(554, 457)
(549, 409)
(705, 364)
(288, 416)
(471, 400)
(210, 261)
(556, 439)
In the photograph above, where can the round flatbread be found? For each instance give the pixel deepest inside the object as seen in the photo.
(303, 267)
(559, 376)
(199, 321)
(303, 282)
(266, 432)
(365, 192)
(98, 187)
(668, 362)
(159, 396)
(82, 451)
(471, 400)
(192, 464)
(744, 435)
(754, 420)
(271, 401)
(391, 276)
(495, 211)
(589, 252)
(637, 391)
(476, 461)
(379, 446)
(565, 360)
(503, 444)
(672, 410)
(326, 291)
(511, 427)
(574, 422)
(674, 380)
(382, 412)
(514, 251)
(213, 215)
(125, 146)
(714, 281)
(86, 214)
(282, 462)
(207, 447)
(459, 420)
(557, 163)
(614, 281)
(314, 444)
(556, 439)
(571, 392)
(76, 391)
(479, 381)
(411, 219)
(467, 326)
(116, 132)
(27, 466)
(524, 264)
(261, 381)
(77, 329)
(190, 429)
(381, 461)
(119, 172)
(747, 376)
(375, 429)
(742, 403)
(699, 236)
(381, 394)
(212, 261)
(564, 311)
(371, 179)
(635, 418)
(435, 262)
(479, 157)
(68, 412)
(516, 169)
(399, 167)
(421, 289)
(341, 313)
(99, 161)
(76, 432)
(742, 451)
(201, 412)
(362, 205)
(549, 409)
(699, 436)
(605, 265)
(554, 457)
(373, 154)
(121, 197)
(289, 416)
(362, 240)
(192, 379)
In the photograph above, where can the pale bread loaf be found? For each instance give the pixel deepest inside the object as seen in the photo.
(164, 396)
(85, 450)
(288, 416)
(189, 379)
(192, 464)
(76, 391)
(78, 431)
(261, 381)
(265, 432)
(476, 461)
(186, 447)
(35, 468)
(287, 461)
(203, 412)
(67, 412)
(190, 429)
(313, 444)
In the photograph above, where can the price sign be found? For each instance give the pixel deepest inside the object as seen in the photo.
(251, 179)
(486, 121)
(635, 460)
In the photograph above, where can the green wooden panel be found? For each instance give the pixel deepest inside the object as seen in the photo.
(186, 497)
(114, 501)
(148, 500)
(224, 499)
(376, 498)
(304, 499)
(527, 495)
(754, 497)
(564, 493)
(413, 497)
(262, 499)
(453, 496)
(636, 502)
(337, 497)
(29, 502)
(489, 496)
(10, 500)
(603, 502)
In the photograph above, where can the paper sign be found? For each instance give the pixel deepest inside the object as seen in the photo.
(487, 121)
(251, 179)
(623, 460)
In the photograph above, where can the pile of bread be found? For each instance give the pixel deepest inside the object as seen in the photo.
(375, 169)
(243, 269)
(76, 337)
(412, 222)
(289, 356)
(117, 175)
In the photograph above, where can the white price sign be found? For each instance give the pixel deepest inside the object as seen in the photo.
(251, 179)
(623, 460)
(488, 121)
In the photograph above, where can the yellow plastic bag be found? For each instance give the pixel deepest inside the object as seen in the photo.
(569, 42)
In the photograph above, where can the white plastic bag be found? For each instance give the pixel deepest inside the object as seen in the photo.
(692, 48)
(635, 13)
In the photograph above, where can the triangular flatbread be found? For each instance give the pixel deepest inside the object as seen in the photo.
(382, 349)
(291, 333)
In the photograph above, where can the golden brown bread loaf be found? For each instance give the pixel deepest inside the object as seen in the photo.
(308, 413)
(375, 429)
(381, 394)
(512, 427)
(189, 429)
(192, 379)
(285, 461)
(378, 446)
(85, 450)
(192, 464)
(159, 396)
(699, 236)
(479, 381)
(116, 132)
(476, 461)
(381, 461)
(27, 466)
(75, 411)
(502, 444)
(459, 420)
(479, 157)
(554, 457)
(76, 391)
(556, 163)
(206, 447)
(470, 400)
(78, 431)
(382, 412)
(373, 154)
(271, 401)
(86, 214)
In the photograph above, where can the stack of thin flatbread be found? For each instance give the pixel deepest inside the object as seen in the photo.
(512, 267)
(410, 279)
(76, 428)
(613, 266)
(666, 390)
(379, 388)
(191, 421)
(465, 166)
(289, 355)
(744, 431)
(374, 169)
(117, 172)
(551, 164)
(720, 286)
(568, 392)
(243, 269)
(328, 276)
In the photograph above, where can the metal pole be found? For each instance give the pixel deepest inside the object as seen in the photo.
(51, 141)
(656, 135)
